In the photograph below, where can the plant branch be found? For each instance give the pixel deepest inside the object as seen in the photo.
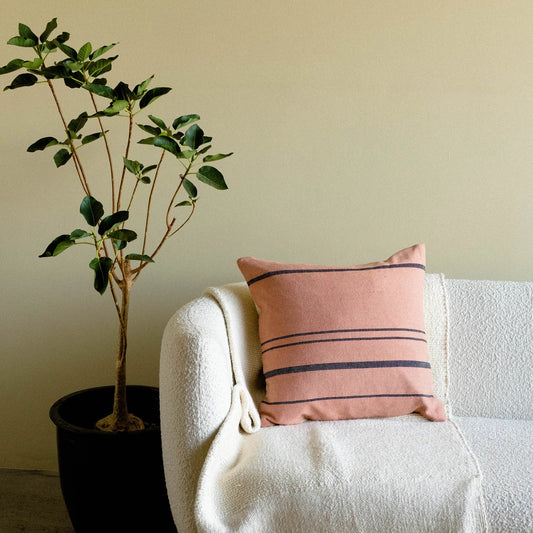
(133, 194)
(117, 307)
(182, 177)
(170, 223)
(78, 172)
(169, 233)
(109, 158)
(130, 130)
(115, 277)
(186, 220)
(138, 270)
(149, 206)
(79, 166)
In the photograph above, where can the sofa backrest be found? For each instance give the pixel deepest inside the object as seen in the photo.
(490, 348)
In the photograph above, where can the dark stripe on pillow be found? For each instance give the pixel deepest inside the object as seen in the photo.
(314, 270)
(344, 340)
(346, 366)
(353, 398)
(342, 331)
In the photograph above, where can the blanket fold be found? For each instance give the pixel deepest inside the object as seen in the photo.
(332, 476)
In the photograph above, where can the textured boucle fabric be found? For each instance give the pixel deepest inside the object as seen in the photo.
(195, 396)
(334, 476)
(504, 449)
(204, 444)
(491, 348)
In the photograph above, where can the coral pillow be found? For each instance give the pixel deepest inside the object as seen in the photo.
(343, 342)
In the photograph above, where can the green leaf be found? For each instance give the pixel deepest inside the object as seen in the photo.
(61, 157)
(76, 124)
(26, 33)
(123, 91)
(204, 149)
(152, 95)
(72, 66)
(58, 245)
(62, 37)
(216, 157)
(190, 189)
(148, 169)
(158, 122)
(139, 257)
(100, 90)
(79, 234)
(113, 109)
(148, 140)
(150, 129)
(110, 222)
(167, 143)
(101, 267)
(84, 52)
(101, 66)
(13, 65)
(140, 89)
(133, 166)
(116, 107)
(22, 80)
(67, 50)
(35, 64)
(184, 203)
(126, 235)
(56, 71)
(43, 143)
(119, 245)
(100, 114)
(92, 137)
(21, 41)
(101, 51)
(145, 179)
(193, 137)
(74, 80)
(50, 27)
(92, 210)
(211, 176)
(48, 46)
(185, 120)
(187, 154)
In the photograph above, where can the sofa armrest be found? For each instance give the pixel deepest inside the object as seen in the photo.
(194, 356)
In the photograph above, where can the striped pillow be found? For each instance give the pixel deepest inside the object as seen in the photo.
(343, 342)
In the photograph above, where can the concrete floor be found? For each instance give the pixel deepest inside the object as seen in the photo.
(31, 502)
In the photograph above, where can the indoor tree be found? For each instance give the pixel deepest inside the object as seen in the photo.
(180, 140)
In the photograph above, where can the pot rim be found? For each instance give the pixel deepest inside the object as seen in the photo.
(61, 423)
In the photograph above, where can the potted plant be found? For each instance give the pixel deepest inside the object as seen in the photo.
(115, 429)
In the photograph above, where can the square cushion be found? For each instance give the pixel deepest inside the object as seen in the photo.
(343, 342)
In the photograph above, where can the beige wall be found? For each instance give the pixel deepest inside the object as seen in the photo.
(358, 128)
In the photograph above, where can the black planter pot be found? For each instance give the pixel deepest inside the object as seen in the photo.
(111, 482)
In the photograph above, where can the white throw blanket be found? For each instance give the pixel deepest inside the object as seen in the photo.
(402, 474)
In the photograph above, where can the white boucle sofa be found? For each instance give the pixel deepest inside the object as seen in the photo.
(473, 472)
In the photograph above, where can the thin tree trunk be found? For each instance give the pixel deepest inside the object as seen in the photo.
(120, 419)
